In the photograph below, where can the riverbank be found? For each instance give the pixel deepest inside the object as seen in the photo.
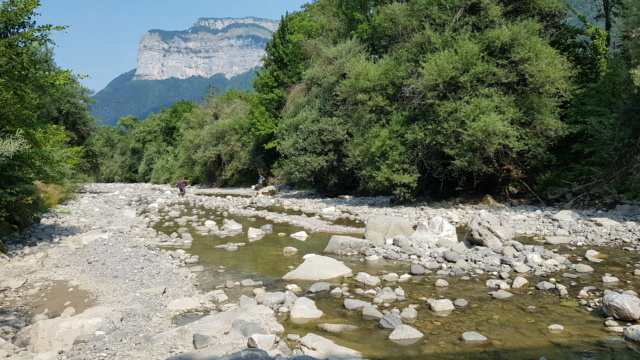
(104, 276)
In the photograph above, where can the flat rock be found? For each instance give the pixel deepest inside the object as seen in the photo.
(472, 336)
(321, 348)
(557, 240)
(305, 308)
(337, 328)
(405, 332)
(319, 268)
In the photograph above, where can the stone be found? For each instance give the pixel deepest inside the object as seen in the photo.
(337, 328)
(584, 268)
(305, 308)
(417, 269)
(558, 240)
(632, 333)
(60, 333)
(441, 283)
(390, 321)
(255, 234)
(183, 304)
(271, 299)
(485, 229)
(321, 348)
(300, 235)
(319, 287)
(555, 328)
(341, 245)
(353, 304)
(203, 341)
(429, 233)
(379, 228)
(501, 294)
(621, 306)
(460, 303)
(159, 290)
(473, 337)
(519, 282)
(231, 226)
(319, 268)
(367, 279)
(442, 305)
(264, 342)
(405, 332)
(371, 313)
(409, 314)
(289, 250)
(566, 216)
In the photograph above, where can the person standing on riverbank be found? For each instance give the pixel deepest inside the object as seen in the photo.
(181, 185)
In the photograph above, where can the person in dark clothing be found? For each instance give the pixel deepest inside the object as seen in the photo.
(260, 180)
(181, 184)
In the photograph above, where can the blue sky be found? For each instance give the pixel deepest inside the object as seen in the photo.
(102, 38)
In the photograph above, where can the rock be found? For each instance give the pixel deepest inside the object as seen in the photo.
(621, 306)
(305, 308)
(442, 305)
(255, 234)
(231, 226)
(441, 283)
(289, 250)
(341, 245)
(271, 299)
(337, 328)
(632, 333)
(429, 233)
(267, 229)
(519, 282)
(610, 279)
(300, 235)
(452, 256)
(555, 328)
(353, 304)
(405, 332)
(12, 283)
(485, 229)
(522, 268)
(319, 268)
(584, 268)
(417, 269)
(501, 294)
(566, 216)
(264, 342)
(60, 333)
(385, 295)
(203, 341)
(409, 314)
(319, 287)
(390, 321)
(460, 303)
(558, 240)
(379, 228)
(367, 279)
(604, 222)
(159, 290)
(472, 336)
(371, 313)
(321, 348)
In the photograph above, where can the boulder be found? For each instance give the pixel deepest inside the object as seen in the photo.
(442, 305)
(566, 216)
(632, 333)
(60, 333)
(341, 245)
(429, 233)
(485, 229)
(379, 228)
(321, 348)
(472, 336)
(255, 234)
(319, 268)
(405, 332)
(231, 226)
(621, 306)
(305, 308)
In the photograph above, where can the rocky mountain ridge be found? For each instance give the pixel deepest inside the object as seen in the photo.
(211, 46)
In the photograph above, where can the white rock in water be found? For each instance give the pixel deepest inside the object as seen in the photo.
(472, 336)
(300, 235)
(555, 328)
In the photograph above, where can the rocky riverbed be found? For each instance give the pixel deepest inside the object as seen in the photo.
(110, 275)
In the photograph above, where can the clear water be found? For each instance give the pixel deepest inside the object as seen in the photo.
(516, 327)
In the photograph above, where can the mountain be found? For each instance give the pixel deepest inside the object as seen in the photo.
(214, 53)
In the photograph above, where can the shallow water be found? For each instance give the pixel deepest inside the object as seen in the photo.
(516, 327)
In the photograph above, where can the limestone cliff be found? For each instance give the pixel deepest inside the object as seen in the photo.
(212, 46)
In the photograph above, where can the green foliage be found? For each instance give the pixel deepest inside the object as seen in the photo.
(125, 97)
(44, 118)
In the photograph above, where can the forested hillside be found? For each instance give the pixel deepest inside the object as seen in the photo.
(125, 97)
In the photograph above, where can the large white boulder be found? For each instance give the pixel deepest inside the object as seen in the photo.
(621, 306)
(430, 232)
(379, 228)
(321, 348)
(340, 245)
(305, 308)
(486, 229)
(319, 268)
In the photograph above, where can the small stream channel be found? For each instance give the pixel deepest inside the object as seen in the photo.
(516, 327)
